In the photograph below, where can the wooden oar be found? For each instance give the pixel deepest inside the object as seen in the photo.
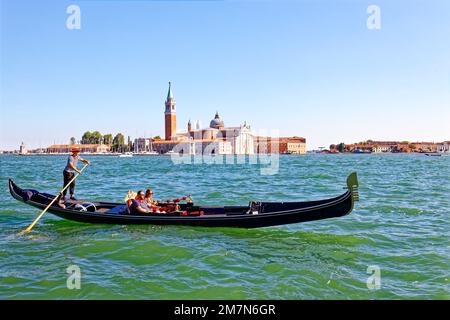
(50, 204)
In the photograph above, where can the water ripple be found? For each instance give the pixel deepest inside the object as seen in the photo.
(400, 225)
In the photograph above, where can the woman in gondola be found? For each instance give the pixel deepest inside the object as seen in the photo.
(149, 198)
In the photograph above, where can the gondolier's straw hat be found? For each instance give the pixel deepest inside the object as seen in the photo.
(75, 149)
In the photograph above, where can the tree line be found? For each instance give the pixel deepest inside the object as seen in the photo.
(117, 143)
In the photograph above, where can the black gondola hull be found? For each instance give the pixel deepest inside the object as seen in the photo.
(268, 214)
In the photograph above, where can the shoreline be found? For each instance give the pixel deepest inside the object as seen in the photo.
(255, 154)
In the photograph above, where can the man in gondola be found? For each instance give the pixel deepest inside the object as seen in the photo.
(139, 204)
(69, 172)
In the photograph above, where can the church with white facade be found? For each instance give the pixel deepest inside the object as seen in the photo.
(215, 139)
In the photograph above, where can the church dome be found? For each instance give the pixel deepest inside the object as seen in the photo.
(217, 122)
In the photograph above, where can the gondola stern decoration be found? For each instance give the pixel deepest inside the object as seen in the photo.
(352, 185)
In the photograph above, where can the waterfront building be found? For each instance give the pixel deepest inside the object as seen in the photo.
(229, 140)
(383, 146)
(223, 147)
(283, 145)
(443, 147)
(143, 145)
(216, 139)
(193, 146)
(23, 149)
(294, 145)
(425, 146)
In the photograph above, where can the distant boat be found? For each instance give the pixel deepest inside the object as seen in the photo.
(126, 155)
(433, 154)
(360, 151)
(148, 153)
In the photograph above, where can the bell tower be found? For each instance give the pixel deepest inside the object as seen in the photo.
(170, 115)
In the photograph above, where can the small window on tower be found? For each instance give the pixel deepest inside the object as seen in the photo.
(173, 107)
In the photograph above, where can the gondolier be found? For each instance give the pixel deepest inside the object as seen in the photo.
(69, 172)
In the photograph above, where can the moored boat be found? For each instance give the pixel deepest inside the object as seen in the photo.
(362, 151)
(147, 153)
(126, 155)
(256, 214)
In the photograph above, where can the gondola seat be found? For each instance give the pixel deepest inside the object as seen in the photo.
(121, 209)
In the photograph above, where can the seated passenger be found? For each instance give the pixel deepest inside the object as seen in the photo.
(138, 204)
(149, 198)
(130, 196)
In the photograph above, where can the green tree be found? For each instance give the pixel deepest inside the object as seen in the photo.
(73, 140)
(156, 138)
(108, 139)
(341, 147)
(96, 137)
(129, 144)
(86, 138)
(118, 142)
(332, 146)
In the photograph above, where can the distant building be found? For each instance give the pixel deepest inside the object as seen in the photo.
(23, 149)
(223, 147)
(283, 145)
(239, 139)
(443, 147)
(193, 146)
(84, 148)
(425, 146)
(38, 151)
(143, 145)
(294, 145)
(383, 146)
(216, 139)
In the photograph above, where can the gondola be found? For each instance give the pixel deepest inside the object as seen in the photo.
(433, 154)
(254, 215)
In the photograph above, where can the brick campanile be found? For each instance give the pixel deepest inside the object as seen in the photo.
(170, 115)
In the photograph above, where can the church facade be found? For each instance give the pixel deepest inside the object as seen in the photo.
(215, 139)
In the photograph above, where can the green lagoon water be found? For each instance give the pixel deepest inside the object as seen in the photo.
(401, 225)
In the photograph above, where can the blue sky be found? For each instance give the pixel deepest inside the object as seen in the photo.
(306, 68)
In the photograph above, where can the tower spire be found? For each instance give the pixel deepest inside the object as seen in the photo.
(169, 93)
